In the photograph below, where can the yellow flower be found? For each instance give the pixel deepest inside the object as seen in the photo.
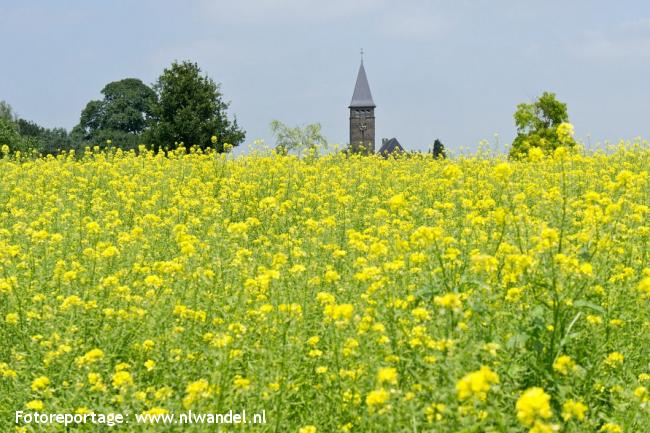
(377, 397)
(307, 429)
(156, 411)
(196, 391)
(541, 427)
(149, 364)
(435, 412)
(198, 387)
(122, 366)
(564, 364)
(7, 372)
(594, 320)
(213, 139)
(237, 228)
(90, 357)
(565, 132)
(40, 383)
(535, 154)
(421, 314)
(397, 202)
(325, 298)
(35, 405)
(95, 380)
(339, 312)
(93, 228)
(387, 375)
(153, 281)
(449, 300)
(514, 294)
(122, 379)
(503, 170)
(560, 152)
(476, 384)
(644, 287)
(614, 359)
(573, 409)
(241, 383)
(11, 318)
(611, 428)
(641, 392)
(533, 405)
(332, 276)
(315, 353)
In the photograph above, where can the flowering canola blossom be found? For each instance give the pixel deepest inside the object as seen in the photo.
(338, 294)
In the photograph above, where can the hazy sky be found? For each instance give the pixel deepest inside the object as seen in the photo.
(452, 69)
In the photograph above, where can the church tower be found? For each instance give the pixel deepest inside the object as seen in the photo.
(362, 115)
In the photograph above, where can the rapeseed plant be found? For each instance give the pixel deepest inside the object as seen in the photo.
(338, 294)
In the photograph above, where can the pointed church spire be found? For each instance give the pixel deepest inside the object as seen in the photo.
(362, 96)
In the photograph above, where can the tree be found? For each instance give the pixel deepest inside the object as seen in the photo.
(6, 112)
(27, 128)
(297, 138)
(191, 111)
(9, 135)
(538, 125)
(439, 150)
(125, 112)
(45, 140)
(25, 136)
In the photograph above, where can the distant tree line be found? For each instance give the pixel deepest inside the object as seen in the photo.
(186, 108)
(182, 108)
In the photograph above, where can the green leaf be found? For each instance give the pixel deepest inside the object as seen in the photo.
(589, 305)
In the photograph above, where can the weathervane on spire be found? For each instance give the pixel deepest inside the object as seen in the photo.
(361, 55)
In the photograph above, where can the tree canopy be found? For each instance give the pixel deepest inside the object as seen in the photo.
(190, 110)
(124, 113)
(439, 150)
(297, 138)
(184, 106)
(6, 112)
(542, 124)
(9, 135)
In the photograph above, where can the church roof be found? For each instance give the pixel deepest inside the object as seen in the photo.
(390, 146)
(362, 96)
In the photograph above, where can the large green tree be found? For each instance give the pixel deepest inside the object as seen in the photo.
(191, 111)
(121, 116)
(537, 125)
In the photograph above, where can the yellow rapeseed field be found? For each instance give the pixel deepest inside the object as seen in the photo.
(333, 294)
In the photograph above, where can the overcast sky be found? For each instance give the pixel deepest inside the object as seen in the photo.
(452, 69)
